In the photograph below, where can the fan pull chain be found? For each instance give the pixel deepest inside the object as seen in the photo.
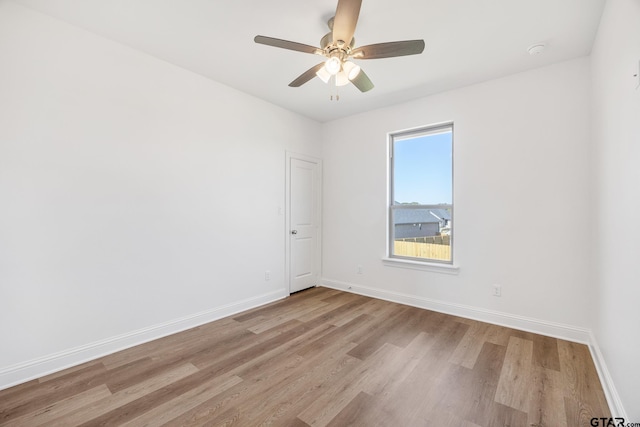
(333, 87)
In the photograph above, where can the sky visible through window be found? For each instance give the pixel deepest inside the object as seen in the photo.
(423, 169)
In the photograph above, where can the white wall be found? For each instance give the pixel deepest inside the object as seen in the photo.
(616, 129)
(133, 193)
(521, 198)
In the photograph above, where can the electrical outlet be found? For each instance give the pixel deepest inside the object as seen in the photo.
(359, 269)
(497, 290)
(267, 276)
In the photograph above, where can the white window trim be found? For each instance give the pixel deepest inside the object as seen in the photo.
(421, 265)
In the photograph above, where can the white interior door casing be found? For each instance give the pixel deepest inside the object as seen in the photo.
(303, 206)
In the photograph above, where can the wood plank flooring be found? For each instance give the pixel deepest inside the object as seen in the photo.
(324, 358)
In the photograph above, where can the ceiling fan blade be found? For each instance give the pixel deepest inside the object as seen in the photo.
(362, 82)
(389, 50)
(344, 23)
(306, 76)
(286, 44)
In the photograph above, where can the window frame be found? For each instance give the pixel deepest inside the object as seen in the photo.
(392, 137)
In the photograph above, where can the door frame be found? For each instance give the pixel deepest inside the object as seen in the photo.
(287, 216)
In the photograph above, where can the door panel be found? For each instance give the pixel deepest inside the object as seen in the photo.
(304, 261)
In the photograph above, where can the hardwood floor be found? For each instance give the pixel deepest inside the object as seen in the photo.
(324, 358)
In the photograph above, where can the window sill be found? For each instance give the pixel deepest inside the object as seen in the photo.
(419, 265)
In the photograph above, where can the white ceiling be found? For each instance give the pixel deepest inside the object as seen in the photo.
(467, 41)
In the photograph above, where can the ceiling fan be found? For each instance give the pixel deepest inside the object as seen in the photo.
(338, 47)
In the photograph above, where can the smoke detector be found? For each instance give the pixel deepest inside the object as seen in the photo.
(536, 49)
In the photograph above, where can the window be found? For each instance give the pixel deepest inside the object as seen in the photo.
(421, 194)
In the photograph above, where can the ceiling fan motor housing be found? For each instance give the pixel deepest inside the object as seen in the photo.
(327, 44)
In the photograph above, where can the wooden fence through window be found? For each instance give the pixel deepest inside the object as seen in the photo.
(420, 249)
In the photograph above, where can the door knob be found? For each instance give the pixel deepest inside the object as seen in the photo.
(294, 231)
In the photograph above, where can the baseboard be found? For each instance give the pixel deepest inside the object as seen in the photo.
(23, 372)
(610, 392)
(556, 330)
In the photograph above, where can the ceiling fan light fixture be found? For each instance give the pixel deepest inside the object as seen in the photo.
(323, 74)
(333, 65)
(351, 70)
(342, 78)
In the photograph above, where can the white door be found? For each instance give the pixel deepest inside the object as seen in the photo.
(303, 248)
